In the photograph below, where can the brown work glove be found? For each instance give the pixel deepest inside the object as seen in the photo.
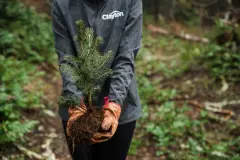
(112, 113)
(74, 114)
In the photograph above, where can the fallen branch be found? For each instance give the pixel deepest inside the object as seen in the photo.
(224, 87)
(228, 113)
(48, 153)
(182, 35)
(221, 104)
(158, 30)
(29, 153)
(47, 146)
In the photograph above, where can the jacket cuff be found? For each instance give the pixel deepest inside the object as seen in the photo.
(116, 100)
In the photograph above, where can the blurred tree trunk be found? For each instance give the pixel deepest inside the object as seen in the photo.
(236, 10)
(156, 9)
(209, 10)
(236, 4)
(166, 8)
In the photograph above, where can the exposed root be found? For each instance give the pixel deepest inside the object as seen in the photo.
(86, 126)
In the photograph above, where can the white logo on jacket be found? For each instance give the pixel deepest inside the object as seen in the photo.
(114, 14)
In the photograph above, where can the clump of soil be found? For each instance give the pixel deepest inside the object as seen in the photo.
(86, 126)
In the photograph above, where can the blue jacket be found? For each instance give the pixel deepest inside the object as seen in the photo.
(119, 23)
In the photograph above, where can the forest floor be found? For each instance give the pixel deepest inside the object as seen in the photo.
(49, 131)
(195, 84)
(168, 74)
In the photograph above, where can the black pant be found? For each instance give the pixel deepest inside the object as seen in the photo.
(114, 149)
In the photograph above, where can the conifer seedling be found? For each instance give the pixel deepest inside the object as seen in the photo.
(88, 70)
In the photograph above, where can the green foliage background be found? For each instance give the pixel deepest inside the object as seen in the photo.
(224, 60)
(24, 33)
(173, 130)
(25, 41)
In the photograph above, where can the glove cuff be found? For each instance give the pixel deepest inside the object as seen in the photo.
(113, 107)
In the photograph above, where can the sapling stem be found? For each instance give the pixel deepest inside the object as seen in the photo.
(90, 99)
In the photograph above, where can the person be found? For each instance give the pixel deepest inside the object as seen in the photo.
(119, 23)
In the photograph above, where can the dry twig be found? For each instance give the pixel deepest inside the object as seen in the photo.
(210, 107)
(49, 153)
(182, 35)
(29, 153)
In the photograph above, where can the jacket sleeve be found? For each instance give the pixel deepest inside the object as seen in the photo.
(64, 46)
(123, 65)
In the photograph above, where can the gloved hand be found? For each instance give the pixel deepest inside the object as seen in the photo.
(74, 114)
(112, 113)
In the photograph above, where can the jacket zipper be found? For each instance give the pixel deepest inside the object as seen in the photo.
(96, 16)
